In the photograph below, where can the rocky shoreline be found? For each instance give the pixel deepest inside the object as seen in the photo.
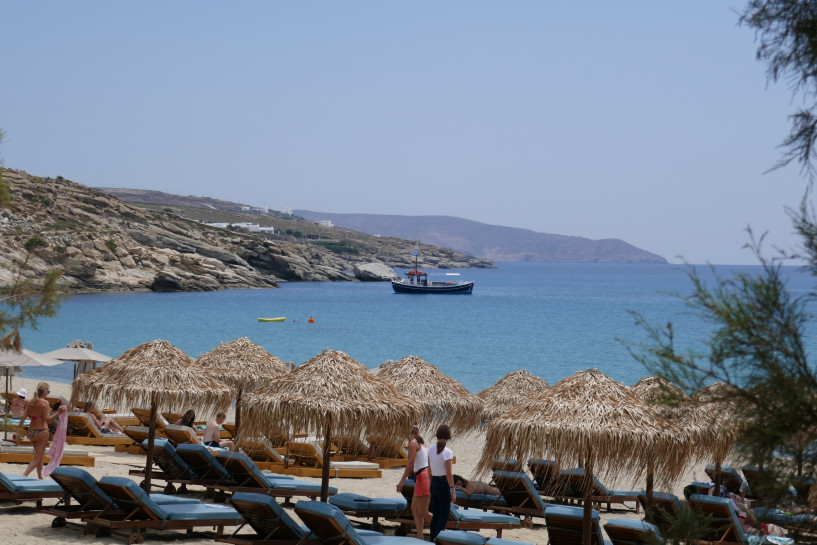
(103, 244)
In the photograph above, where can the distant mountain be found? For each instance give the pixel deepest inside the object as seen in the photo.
(491, 242)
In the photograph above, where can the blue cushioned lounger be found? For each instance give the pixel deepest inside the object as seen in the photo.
(272, 524)
(458, 537)
(599, 493)
(173, 468)
(799, 522)
(82, 487)
(19, 488)
(729, 477)
(565, 524)
(632, 532)
(521, 497)
(666, 508)
(330, 525)
(725, 523)
(365, 507)
(247, 477)
(137, 511)
(206, 467)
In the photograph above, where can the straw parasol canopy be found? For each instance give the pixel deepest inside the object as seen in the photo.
(243, 365)
(590, 417)
(331, 394)
(443, 399)
(152, 374)
(513, 388)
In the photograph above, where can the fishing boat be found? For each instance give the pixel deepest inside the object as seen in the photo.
(279, 319)
(417, 281)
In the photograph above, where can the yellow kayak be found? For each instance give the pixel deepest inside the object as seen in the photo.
(280, 319)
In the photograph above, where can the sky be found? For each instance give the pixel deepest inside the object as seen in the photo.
(650, 122)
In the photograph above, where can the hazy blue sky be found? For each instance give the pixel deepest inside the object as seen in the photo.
(640, 120)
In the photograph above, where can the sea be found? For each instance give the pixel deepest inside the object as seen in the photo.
(552, 319)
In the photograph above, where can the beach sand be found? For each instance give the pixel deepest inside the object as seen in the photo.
(22, 524)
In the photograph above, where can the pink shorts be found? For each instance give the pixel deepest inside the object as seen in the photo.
(422, 484)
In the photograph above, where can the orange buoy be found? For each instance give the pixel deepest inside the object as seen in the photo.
(311, 320)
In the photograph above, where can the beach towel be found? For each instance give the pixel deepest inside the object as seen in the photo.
(57, 445)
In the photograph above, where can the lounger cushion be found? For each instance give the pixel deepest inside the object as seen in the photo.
(202, 461)
(526, 482)
(555, 512)
(167, 451)
(649, 532)
(23, 484)
(355, 536)
(362, 504)
(355, 465)
(466, 515)
(459, 537)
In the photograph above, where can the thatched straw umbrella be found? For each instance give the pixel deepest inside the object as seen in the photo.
(331, 393)
(590, 417)
(243, 365)
(149, 375)
(444, 400)
(515, 387)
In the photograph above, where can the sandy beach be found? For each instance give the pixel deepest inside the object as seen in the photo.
(22, 523)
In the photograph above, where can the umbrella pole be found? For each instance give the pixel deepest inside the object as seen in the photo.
(238, 412)
(5, 419)
(325, 467)
(650, 486)
(151, 440)
(588, 502)
(718, 479)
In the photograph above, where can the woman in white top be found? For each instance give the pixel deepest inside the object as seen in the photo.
(418, 462)
(442, 481)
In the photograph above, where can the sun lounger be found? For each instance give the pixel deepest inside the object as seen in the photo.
(137, 511)
(632, 532)
(725, 526)
(566, 522)
(729, 477)
(272, 525)
(85, 432)
(259, 449)
(207, 468)
(369, 508)
(665, 506)
(182, 435)
(352, 446)
(459, 537)
(310, 455)
(19, 489)
(247, 477)
(24, 455)
(80, 486)
(506, 464)
(576, 481)
(330, 525)
(544, 473)
(144, 418)
(474, 501)
(387, 452)
(174, 470)
(521, 497)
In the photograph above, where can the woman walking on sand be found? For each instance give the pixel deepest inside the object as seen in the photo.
(418, 462)
(39, 414)
(443, 493)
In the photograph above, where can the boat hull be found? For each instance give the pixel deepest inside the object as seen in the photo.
(460, 287)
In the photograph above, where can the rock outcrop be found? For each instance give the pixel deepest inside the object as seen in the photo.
(103, 244)
(374, 272)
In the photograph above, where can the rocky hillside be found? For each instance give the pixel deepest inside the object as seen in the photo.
(104, 244)
(493, 242)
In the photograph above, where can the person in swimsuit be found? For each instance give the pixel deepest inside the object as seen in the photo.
(18, 404)
(107, 425)
(475, 487)
(188, 419)
(39, 414)
(418, 464)
(212, 433)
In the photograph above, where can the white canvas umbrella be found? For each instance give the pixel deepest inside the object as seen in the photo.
(81, 354)
(11, 360)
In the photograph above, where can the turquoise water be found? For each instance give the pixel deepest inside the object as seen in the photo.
(551, 319)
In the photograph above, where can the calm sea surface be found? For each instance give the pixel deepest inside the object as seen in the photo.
(551, 319)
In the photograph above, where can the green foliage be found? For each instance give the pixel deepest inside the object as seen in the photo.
(296, 234)
(35, 242)
(167, 209)
(787, 37)
(288, 231)
(5, 196)
(66, 225)
(111, 245)
(339, 247)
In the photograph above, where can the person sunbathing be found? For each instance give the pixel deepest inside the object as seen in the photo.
(475, 487)
(107, 424)
(212, 433)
